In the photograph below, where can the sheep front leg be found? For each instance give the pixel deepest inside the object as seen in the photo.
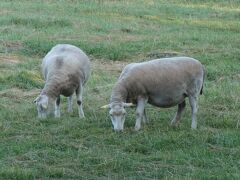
(79, 101)
(140, 112)
(70, 110)
(193, 104)
(57, 108)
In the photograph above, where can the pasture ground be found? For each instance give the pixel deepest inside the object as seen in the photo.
(114, 33)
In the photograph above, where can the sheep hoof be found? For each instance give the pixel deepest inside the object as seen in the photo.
(81, 116)
(145, 121)
(137, 128)
(194, 126)
(174, 123)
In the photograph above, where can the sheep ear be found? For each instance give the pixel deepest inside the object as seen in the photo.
(105, 106)
(36, 100)
(129, 104)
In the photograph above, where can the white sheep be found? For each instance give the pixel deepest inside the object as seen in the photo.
(162, 82)
(65, 68)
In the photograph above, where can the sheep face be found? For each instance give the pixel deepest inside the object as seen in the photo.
(42, 105)
(117, 114)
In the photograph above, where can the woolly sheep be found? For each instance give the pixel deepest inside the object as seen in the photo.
(162, 82)
(65, 68)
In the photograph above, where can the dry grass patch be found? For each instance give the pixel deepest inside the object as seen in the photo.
(17, 93)
(110, 66)
(9, 58)
(11, 46)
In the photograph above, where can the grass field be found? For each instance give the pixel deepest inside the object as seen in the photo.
(114, 33)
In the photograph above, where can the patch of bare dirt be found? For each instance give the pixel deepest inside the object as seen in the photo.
(11, 46)
(18, 93)
(112, 66)
(4, 12)
(235, 77)
(9, 58)
(165, 54)
(116, 35)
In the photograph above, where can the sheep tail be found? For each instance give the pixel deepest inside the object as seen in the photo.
(201, 91)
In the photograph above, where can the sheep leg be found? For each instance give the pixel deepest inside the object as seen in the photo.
(139, 112)
(193, 104)
(57, 107)
(70, 110)
(79, 101)
(178, 115)
(145, 119)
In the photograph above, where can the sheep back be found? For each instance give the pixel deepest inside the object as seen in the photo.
(166, 82)
(66, 66)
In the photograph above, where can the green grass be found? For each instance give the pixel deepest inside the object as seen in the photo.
(114, 33)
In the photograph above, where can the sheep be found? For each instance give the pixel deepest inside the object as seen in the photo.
(66, 69)
(164, 82)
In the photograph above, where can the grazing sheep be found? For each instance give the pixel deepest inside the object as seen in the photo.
(66, 68)
(162, 82)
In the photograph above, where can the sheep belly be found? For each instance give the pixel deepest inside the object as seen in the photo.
(166, 101)
(68, 90)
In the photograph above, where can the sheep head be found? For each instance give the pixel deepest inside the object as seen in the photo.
(117, 114)
(42, 105)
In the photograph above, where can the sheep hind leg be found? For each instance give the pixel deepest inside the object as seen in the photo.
(193, 104)
(178, 115)
(145, 119)
(57, 108)
(79, 92)
(70, 110)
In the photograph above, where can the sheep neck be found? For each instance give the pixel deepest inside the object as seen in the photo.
(52, 88)
(119, 93)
